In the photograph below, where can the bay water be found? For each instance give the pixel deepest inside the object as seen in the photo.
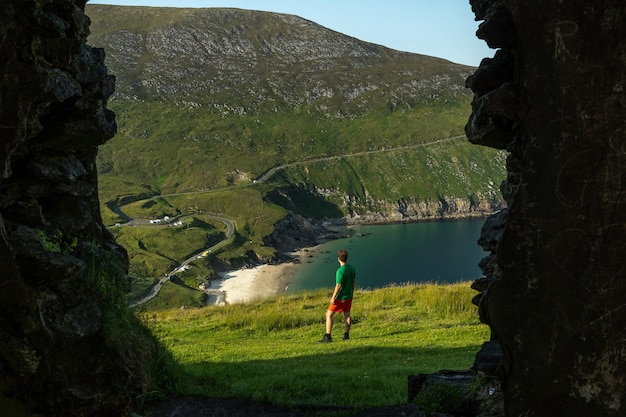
(437, 251)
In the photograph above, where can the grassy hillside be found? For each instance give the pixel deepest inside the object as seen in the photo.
(268, 351)
(248, 116)
(173, 149)
(210, 100)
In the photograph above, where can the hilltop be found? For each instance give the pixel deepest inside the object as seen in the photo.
(243, 61)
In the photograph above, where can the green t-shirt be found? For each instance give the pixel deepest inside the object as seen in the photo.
(345, 276)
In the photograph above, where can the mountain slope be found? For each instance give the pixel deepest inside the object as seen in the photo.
(243, 61)
(210, 100)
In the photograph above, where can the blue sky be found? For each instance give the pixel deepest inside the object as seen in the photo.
(441, 28)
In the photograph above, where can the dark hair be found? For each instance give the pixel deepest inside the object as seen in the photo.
(343, 255)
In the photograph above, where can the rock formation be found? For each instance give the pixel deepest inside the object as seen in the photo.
(554, 294)
(63, 275)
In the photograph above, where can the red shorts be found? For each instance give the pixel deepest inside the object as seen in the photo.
(341, 306)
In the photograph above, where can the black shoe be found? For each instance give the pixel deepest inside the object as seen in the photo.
(326, 339)
(346, 336)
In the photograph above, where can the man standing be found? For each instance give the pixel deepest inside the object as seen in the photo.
(341, 300)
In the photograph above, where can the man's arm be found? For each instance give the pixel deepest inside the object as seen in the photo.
(337, 288)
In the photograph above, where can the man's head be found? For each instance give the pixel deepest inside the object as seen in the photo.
(342, 255)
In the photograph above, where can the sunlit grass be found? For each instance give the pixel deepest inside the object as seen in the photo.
(268, 351)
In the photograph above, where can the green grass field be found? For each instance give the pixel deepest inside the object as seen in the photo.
(268, 350)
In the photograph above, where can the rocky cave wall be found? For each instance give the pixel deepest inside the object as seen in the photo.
(554, 294)
(61, 271)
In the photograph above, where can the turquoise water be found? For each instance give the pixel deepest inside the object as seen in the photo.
(443, 252)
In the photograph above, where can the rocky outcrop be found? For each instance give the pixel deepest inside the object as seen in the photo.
(554, 97)
(368, 210)
(415, 209)
(63, 275)
(295, 232)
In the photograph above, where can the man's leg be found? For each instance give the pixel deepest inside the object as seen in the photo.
(347, 322)
(329, 321)
(329, 327)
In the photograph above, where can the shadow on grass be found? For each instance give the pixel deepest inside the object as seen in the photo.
(303, 202)
(359, 377)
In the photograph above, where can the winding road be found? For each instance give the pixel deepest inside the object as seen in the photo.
(229, 224)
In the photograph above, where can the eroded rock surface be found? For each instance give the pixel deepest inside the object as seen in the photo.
(553, 96)
(61, 271)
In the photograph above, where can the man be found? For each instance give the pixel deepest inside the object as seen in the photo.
(341, 300)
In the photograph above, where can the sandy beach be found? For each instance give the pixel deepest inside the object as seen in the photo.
(263, 281)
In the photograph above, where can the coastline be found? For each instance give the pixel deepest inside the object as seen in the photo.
(268, 280)
(259, 282)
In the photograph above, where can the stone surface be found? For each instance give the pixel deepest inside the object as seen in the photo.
(61, 270)
(555, 281)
